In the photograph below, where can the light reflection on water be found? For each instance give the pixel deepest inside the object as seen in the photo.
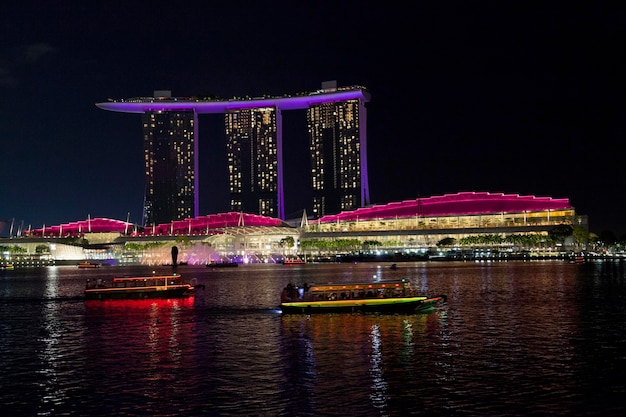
(515, 338)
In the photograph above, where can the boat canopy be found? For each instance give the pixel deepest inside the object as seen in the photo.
(361, 285)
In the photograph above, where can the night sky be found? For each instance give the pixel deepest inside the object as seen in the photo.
(514, 97)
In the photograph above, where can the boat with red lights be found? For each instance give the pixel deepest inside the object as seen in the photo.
(294, 261)
(141, 287)
(394, 296)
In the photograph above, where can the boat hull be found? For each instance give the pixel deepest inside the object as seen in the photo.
(222, 265)
(141, 287)
(405, 305)
(139, 293)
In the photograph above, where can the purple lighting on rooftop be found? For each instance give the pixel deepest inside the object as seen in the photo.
(204, 106)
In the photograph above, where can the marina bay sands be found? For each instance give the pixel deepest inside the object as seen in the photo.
(339, 213)
(336, 121)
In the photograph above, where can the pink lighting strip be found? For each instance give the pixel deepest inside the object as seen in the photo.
(465, 203)
(198, 225)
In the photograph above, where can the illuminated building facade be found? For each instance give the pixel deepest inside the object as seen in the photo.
(338, 156)
(252, 152)
(474, 220)
(424, 222)
(170, 162)
(337, 133)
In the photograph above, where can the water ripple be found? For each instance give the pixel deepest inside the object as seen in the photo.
(513, 339)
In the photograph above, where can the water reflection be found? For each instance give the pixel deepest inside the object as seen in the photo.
(514, 338)
(368, 353)
(51, 354)
(379, 385)
(148, 341)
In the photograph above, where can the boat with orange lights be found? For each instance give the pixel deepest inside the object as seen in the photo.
(8, 267)
(394, 296)
(141, 287)
(577, 259)
(85, 265)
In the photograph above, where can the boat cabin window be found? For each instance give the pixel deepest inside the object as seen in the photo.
(356, 291)
(145, 282)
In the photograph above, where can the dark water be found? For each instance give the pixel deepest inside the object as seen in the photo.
(514, 339)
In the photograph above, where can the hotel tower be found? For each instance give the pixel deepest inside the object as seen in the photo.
(252, 152)
(336, 123)
(338, 151)
(170, 164)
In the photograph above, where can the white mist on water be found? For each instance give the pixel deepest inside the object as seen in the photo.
(199, 254)
(196, 254)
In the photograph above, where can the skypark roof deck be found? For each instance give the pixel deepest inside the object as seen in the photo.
(200, 106)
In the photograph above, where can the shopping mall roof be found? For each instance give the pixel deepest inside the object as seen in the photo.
(208, 224)
(464, 203)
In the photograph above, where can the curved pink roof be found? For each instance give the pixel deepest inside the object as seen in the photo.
(96, 225)
(464, 203)
(197, 225)
(207, 224)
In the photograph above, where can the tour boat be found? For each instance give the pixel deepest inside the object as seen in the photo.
(8, 267)
(294, 261)
(222, 265)
(577, 259)
(152, 286)
(82, 265)
(395, 296)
